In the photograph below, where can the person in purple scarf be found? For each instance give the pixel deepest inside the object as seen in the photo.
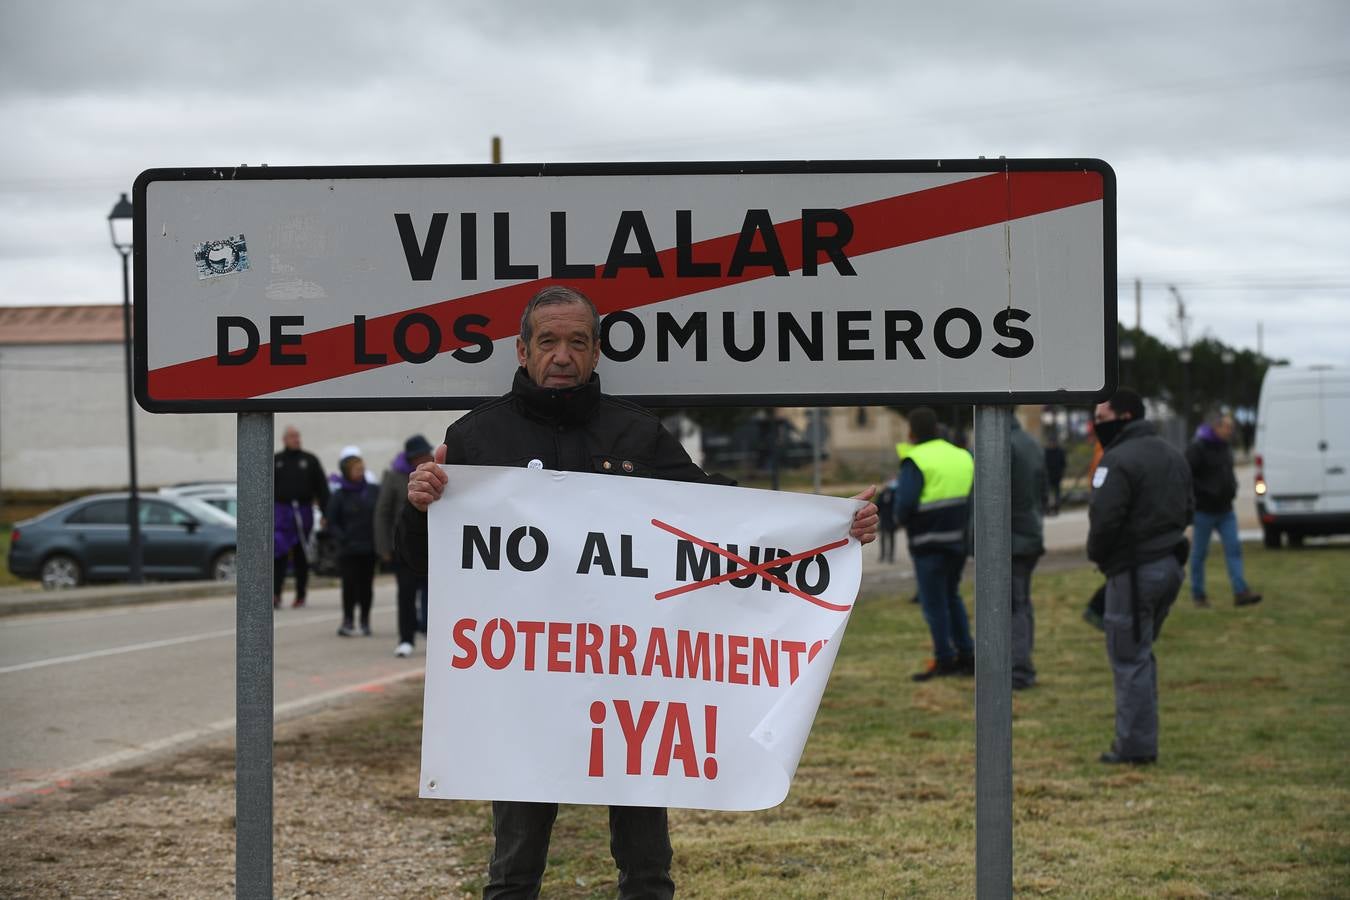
(351, 520)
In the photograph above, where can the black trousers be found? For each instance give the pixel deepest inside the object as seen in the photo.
(301, 562)
(358, 586)
(639, 840)
(409, 585)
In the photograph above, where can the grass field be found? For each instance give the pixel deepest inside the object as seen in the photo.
(1251, 796)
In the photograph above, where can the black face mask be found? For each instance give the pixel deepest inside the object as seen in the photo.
(1107, 431)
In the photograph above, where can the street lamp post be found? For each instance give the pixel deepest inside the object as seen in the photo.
(120, 228)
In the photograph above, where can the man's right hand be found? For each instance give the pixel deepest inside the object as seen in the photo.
(427, 481)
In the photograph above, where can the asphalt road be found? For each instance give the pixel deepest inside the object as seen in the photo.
(86, 692)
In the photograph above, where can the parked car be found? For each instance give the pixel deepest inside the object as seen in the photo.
(1303, 453)
(223, 495)
(88, 540)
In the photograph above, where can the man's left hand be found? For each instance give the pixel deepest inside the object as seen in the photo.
(865, 520)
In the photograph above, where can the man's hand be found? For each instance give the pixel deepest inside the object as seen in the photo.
(427, 482)
(865, 520)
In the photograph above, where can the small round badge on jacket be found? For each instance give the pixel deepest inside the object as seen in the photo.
(627, 466)
(535, 464)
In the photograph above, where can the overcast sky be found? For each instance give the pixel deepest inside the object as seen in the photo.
(1225, 120)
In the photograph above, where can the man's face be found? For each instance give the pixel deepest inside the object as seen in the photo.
(291, 438)
(562, 352)
(1104, 413)
(1224, 429)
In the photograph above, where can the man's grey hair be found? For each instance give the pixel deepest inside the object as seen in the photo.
(554, 295)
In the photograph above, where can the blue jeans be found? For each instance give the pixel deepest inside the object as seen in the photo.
(939, 577)
(1226, 525)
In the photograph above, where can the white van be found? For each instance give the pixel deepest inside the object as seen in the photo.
(1303, 453)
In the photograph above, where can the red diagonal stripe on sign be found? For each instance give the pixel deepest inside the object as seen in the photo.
(749, 568)
(877, 225)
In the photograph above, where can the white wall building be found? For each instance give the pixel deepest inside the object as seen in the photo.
(63, 414)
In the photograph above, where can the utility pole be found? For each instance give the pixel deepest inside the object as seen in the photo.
(1260, 342)
(1185, 356)
(1138, 305)
(496, 150)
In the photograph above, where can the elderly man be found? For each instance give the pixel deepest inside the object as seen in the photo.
(555, 417)
(1141, 504)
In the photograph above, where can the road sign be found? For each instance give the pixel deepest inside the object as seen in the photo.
(826, 283)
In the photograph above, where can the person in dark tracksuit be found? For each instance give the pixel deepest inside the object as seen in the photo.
(1028, 544)
(1141, 504)
(932, 503)
(556, 417)
(351, 518)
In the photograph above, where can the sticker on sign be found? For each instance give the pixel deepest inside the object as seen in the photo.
(820, 283)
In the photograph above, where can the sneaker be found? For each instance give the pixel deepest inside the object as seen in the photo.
(1112, 758)
(1246, 598)
(1200, 601)
(938, 668)
(346, 630)
(299, 603)
(403, 649)
(365, 629)
(965, 663)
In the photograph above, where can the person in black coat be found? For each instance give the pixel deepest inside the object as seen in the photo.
(1210, 457)
(556, 417)
(351, 519)
(1137, 517)
(1055, 463)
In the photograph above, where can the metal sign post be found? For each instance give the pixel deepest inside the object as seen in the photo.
(253, 661)
(993, 653)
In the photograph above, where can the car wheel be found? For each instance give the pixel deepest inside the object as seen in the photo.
(1271, 536)
(60, 571)
(222, 567)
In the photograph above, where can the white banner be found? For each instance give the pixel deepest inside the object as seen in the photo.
(634, 642)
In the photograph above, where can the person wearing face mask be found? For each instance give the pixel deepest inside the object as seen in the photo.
(1141, 504)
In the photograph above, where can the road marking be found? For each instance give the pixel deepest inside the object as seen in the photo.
(323, 618)
(104, 764)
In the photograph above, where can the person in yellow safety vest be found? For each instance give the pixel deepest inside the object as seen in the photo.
(932, 503)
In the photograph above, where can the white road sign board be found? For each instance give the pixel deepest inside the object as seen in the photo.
(719, 283)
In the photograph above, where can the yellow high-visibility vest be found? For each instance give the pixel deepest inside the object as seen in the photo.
(948, 473)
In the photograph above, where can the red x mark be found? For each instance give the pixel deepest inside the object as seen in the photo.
(749, 568)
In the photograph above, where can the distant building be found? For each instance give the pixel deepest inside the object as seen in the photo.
(63, 413)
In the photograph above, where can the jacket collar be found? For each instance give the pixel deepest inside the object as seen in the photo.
(555, 406)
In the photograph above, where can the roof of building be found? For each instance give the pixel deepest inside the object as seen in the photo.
(61, 324)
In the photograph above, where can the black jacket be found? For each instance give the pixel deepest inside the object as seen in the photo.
(351, 519)
(572, 430)
(1141, 500)
(299, 476)
(1027, 490)
(1211, 463)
